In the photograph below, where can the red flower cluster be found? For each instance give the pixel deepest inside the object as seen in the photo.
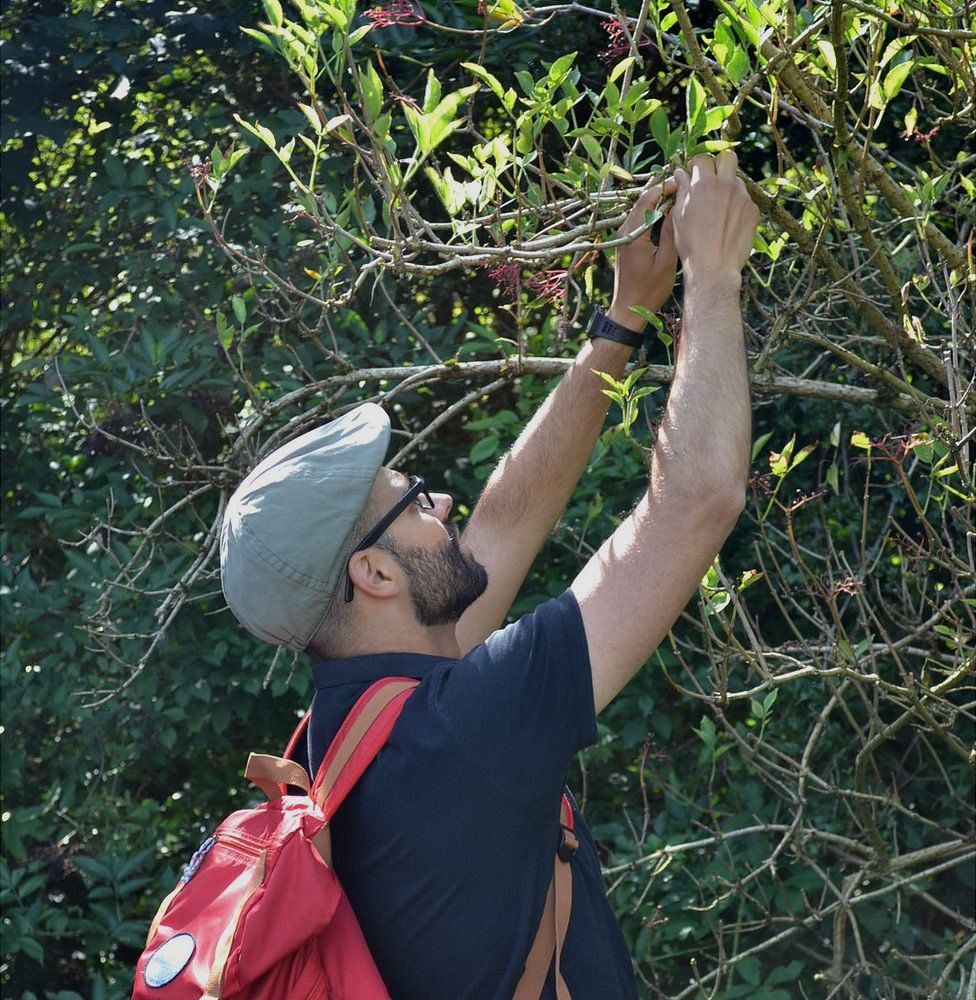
(506, 276)
(915, 136)
(396, 12)
(550, 284)
(617, 44)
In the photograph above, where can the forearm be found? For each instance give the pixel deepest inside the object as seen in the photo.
(703, 444)
(533, 483)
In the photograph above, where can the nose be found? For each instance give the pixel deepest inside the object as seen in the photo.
(443, 503)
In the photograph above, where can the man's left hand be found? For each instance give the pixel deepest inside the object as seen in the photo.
(644, 273)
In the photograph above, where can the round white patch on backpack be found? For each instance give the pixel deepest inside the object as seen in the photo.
(169, 960)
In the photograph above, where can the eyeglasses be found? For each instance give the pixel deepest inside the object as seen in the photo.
(415, 491)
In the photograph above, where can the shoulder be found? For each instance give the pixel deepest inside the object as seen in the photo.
(554, 623)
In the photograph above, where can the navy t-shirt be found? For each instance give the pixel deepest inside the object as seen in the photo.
(446, 845)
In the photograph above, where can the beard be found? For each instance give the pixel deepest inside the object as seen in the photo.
(443, 582)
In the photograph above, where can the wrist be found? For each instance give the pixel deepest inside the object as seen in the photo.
(718, 282)
(625, 316)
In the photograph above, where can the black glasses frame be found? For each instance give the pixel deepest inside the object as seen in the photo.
(414, 491)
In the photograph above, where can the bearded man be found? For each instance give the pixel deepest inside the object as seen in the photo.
(446, 845)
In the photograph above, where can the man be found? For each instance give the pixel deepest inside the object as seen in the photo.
(446, 846)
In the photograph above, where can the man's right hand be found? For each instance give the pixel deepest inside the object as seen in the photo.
(714, 218)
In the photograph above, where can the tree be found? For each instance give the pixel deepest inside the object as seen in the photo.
(418, 215)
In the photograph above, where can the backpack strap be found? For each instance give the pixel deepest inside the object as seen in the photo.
(273, 775)
(361, 737)
(547, 947)
(297, 736)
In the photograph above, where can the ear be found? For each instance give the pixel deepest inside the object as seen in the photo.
(374, 572)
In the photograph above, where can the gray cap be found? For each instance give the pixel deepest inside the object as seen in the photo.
(286, 534)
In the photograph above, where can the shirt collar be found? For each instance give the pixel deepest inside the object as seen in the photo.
(366, 669)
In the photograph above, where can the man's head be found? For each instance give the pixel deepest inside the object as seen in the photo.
(410, 525)
(321, 515)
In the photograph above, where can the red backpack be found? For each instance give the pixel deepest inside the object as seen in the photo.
(258, 912)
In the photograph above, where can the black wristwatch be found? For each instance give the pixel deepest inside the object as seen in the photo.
(600, 326)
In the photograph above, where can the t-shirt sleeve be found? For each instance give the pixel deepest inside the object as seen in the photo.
(521, 704)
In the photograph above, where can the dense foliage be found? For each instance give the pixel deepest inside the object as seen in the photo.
(414, 206)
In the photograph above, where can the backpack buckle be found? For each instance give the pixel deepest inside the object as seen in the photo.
(568, 845)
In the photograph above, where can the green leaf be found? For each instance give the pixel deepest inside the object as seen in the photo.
(802, 454)
(593, 149)
(876, 96)
(482, 74)
(32, 949)
(341, 123)
(621, 68)
(750, 970)
(217, 160)
(361, 32)
(240, 310)
(784, 974)
(526, 82)
(757, 445)
(779, 461)
(660, 129)
(432, 95)
(260, 37)
(115, 170)
(483, 450)
(430, 130)
(284, 154)
(225, 333)
(371, 90)
(827, 51)
(706, 732)
(738, 67)
(313, 118)
(259, 131)
(896, 77)
(716, 117)
(695, 105)
(860, 440)
(560, 68)
(94, 869)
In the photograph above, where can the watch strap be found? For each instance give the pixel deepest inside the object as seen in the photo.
(602, 326)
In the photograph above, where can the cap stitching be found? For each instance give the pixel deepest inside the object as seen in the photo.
(276, 562)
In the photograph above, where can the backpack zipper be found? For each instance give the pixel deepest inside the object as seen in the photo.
(239, 845)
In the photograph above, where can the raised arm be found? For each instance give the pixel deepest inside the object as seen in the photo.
(530, 487)
(636, 585)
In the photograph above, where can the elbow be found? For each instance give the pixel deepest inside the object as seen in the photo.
(711, 503)
(727, 501)
(719, 507)
(733, 501)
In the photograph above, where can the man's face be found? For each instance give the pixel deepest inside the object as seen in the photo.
(443, 580)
